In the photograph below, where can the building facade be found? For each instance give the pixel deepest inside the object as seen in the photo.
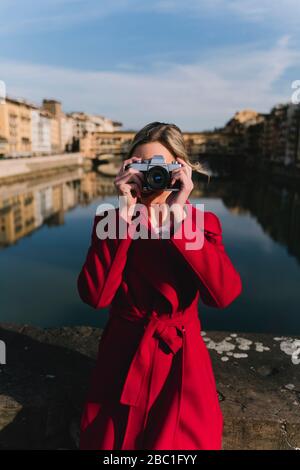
(281, 134)
(41, 132)
(15, 127)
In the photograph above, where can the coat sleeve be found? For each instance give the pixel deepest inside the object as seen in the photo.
(101, 273)
(218, 281)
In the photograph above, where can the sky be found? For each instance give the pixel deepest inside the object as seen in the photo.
(189, 62)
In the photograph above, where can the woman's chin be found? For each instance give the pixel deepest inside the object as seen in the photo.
(148, 197)
(147, 194)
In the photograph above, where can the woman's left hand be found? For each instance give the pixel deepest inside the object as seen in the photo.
(178, 198)
(184, 176)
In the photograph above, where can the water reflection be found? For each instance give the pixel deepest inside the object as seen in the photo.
(275, 205)
(45, 227)
(26, 206)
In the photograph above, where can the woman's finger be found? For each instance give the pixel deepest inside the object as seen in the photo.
(179, 171)
(133, 175)
(185, 165)
(126, 188)
(131, 178)
(135, 187)
(180, 175)
(130, 160)
(127, 174)
(183, 162)
(176, 177)
(180, 160)
(182, 170)
(136, 179)
(126, 162)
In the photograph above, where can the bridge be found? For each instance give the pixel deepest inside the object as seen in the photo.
(103, 145)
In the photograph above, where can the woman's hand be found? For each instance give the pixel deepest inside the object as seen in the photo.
(129, 183)
(184, 176)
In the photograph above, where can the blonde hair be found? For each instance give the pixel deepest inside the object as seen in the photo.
(171, 137)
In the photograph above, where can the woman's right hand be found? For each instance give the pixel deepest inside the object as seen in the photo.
(129, 181)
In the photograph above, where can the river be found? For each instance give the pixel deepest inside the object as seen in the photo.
(45, 226)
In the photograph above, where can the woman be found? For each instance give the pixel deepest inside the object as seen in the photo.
(153, 385)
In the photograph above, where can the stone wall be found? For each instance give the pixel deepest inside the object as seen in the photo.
(15, 167)
(44, 381)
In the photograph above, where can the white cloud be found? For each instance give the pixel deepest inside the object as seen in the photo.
(195, 96)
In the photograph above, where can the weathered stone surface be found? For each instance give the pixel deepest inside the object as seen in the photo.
(260, 392)
(45, 378)
(43, 383)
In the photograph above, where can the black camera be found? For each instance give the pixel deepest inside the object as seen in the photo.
(157, 173)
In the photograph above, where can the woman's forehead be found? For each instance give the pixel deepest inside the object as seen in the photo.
(147, 151)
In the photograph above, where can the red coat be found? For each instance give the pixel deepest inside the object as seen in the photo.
(153, 385)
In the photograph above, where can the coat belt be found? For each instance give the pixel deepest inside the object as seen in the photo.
(172, 331)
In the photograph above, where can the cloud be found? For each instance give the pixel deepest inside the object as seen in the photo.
(195, 96)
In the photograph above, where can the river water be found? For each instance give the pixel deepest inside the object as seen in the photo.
(45, 227)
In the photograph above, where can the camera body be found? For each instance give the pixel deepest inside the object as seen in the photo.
(157, 173)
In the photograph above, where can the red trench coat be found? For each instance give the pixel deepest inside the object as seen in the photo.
(153, 385)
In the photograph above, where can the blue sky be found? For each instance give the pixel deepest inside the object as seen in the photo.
(194, 63)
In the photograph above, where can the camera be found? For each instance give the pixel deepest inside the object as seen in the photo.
(157, 173)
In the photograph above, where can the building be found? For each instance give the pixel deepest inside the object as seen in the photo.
(15, 127)
(281, 134)
(298, 145)
(53, 107)
(84, 123)
(81, 125)
(41, 132)
(25, 128)
(244, 132)
(292, 134)
(67, 136)
(95, 144)
(4, 134)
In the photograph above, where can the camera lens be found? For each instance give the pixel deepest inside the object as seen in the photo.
(157, 177)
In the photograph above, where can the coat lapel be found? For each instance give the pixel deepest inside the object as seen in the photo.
(156, 266)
